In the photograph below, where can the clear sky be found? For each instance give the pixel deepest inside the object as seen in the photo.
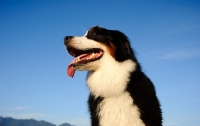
(33, 60)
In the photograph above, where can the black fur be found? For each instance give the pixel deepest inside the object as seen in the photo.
(142, 91)
(93, 103)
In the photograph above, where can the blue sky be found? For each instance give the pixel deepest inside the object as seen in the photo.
(33, 60)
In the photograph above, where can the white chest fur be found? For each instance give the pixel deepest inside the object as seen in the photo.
(111, 78)
(119, 111)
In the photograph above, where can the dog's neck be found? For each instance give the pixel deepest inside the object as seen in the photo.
(104, 83)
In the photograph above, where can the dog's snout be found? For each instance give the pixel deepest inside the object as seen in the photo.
(67, 39)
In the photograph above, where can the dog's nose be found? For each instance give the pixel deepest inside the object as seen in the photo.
(67, 39)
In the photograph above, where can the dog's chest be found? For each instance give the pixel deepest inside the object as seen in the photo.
(119, 111)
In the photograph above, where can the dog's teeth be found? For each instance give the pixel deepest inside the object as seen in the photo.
(92, 54)
(78, 58)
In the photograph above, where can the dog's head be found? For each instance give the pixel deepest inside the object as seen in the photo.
(99, 46)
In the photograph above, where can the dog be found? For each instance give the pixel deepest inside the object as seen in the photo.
(120, 93)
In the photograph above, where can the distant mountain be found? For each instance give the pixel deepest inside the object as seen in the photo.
(8, 121)
(22, 122)
(66, 124)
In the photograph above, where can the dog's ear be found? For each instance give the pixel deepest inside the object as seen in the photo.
(125, 41)
(127, 45)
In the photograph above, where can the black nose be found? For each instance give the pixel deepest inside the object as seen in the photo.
(67, 39)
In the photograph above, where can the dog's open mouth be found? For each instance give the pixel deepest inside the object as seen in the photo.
(82, 57)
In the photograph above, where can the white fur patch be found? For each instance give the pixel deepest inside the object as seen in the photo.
(85, 33)
(119, 111)
(83, 43)
(111, 77)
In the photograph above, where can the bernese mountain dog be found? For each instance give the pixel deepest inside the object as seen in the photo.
(120, 93)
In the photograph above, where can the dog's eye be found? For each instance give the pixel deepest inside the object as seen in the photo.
(94, 34)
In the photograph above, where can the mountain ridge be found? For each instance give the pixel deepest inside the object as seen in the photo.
(9, 121)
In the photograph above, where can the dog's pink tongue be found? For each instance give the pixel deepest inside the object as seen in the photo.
(70, 69)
